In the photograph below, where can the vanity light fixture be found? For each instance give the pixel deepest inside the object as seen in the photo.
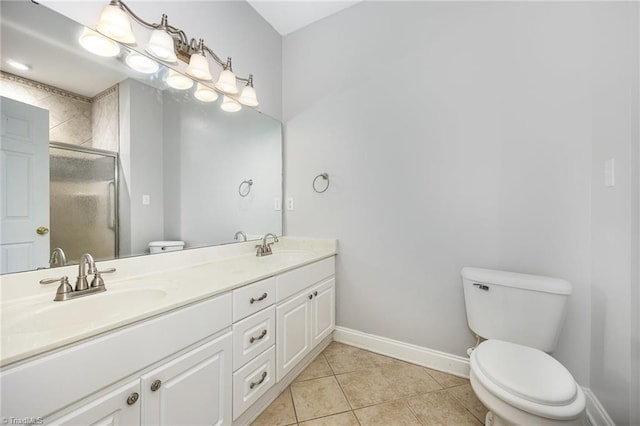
(230, 104)
(98, 44)
(248, 95)
(198, 64)
(179, 81)
(205, 94)
(169, 43)
(141, 63)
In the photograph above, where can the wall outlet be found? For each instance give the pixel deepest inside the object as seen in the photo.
(146, 200)
(277, 205)
(290, 205)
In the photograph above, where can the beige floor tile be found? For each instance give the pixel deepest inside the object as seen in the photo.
(408, 380)
(366, 387)
(279, 413)
(343, 419)
(395, 413)
(468, 398)
(318, 398)
(319, 367)
(344, 358)
(446, 380)
(440, 408)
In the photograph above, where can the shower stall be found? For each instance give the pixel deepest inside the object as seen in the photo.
(83, 201)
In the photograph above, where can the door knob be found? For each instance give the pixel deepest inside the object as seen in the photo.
(42, 230)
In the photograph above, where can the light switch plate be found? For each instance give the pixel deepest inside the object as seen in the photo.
(290, 205)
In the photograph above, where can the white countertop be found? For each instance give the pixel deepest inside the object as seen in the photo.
(35, 324)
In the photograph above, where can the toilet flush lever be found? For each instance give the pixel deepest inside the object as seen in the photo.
(482, 286)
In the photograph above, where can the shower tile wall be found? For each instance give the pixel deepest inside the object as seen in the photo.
(73, 119)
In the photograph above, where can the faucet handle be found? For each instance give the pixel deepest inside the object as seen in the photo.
(53, 280)
(97, 280)
(64, 289)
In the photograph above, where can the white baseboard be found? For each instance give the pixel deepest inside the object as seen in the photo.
(596, 414)
(442, 361)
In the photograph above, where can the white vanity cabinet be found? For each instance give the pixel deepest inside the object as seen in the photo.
(305, 313)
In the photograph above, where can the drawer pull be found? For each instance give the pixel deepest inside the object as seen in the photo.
(133, 398)
(254, 300)
(253, 339)
(259, 382)
(155, 385)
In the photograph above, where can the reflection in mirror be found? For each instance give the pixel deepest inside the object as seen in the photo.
(101, 155)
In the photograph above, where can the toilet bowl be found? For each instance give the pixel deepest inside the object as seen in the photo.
(524, 386)
(512, 373)
(165, 246)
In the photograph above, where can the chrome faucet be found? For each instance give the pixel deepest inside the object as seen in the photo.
(264, 249)
(240, 234)
(86, 266)
(57, 258)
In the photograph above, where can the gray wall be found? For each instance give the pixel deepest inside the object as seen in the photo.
(229, 28)
(472, 134)
(141, 136)
(614, 283)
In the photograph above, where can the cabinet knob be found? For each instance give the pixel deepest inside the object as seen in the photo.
(310, 296)
(155, 385)
(133, 398)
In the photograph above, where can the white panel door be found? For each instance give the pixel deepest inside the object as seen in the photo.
(24, 186)
(193, 389)
(293, 334)
(323, 311)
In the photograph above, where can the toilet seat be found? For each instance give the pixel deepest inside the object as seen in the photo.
(528, 379)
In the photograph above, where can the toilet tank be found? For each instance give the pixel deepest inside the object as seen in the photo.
(165, 246)
(519, 308)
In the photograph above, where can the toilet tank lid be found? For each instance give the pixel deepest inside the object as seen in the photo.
(517, 280)
(166, 243)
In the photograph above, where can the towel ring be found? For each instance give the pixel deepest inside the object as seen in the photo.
(247, 184)
(324, 176)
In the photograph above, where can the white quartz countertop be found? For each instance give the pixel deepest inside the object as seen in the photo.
(35, 324)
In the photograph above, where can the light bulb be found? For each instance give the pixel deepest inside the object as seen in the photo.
(199, 67)
(230, 105)
(205, 94)
(115, 23)
(161, 46)
(141, 63)
(227, 82)
(179, 81)
(248, 96)
(98, 44)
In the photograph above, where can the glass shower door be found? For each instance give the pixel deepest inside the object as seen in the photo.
(83, 194)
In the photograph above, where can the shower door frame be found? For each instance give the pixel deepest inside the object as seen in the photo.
(116, 192)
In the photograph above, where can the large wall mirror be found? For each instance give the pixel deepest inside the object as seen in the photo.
(100, 155)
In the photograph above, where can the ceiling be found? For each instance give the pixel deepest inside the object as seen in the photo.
(291, 15)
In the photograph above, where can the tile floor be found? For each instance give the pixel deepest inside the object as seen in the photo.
(348, 386)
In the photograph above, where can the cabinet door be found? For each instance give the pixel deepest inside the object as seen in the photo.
(120, 407)
(323, 311)
(293, 335)
(193, 389)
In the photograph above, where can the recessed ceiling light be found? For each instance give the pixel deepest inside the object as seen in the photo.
(18, 65)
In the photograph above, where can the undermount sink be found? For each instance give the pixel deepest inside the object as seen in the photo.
(56, 316)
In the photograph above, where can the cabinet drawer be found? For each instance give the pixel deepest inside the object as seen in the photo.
(253, 298)
(253, 335)
(253, 380)
(297, 280)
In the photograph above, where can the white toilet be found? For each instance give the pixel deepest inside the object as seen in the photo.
(165, 246)
(511, 372)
